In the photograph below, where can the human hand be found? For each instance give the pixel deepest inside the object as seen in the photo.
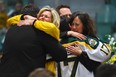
(29, 17)
(25, 22)
(76, 50)
(77, 35)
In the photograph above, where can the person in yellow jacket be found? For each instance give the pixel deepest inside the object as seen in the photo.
(46, 14)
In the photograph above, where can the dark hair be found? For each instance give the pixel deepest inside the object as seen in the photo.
(106, 70)
(64, 24)
(41, 72)
(89, 27)
(61, 6)
(30, 9)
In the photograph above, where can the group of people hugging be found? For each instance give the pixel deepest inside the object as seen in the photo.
(63, 42)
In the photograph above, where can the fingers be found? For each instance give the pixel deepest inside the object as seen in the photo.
(23, 22)
(20, 23)
(70, 49)
(76, 50)
(78, 35)
(76, 45)
(81, 36)
(29, 17)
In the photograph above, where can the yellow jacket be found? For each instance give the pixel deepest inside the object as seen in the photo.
(47, 27)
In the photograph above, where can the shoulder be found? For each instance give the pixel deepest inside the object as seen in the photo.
(92, 41)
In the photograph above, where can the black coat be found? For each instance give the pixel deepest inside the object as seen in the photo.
(25, 49)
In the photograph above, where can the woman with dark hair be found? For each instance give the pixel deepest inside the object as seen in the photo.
(89, 26)
(84, 56)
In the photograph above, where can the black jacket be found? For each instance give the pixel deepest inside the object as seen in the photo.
(25, 49)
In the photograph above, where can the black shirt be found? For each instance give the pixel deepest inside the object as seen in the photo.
(25, 49)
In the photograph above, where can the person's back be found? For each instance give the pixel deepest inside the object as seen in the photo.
(25, 49)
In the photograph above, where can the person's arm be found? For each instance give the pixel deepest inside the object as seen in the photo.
(16, 19)
(82, 56)
(76, 35)
(66, 32)
(93, 52)
(90, 64)
(48, 28)
(13, 20)
(99, 53)
(95, 49)
(29, 17)
(53, 47)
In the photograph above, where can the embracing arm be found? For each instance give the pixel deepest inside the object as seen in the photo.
(91, 65)
(48, 28)
(66, 34)
(92, 54)
(13, 20)
(53, 47)
(16, 19)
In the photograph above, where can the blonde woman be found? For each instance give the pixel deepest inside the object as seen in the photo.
(50, 15)
(46, 14)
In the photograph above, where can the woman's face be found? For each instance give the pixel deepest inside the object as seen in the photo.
(45, 16)
(77, 25)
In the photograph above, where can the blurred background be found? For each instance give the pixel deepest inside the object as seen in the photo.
(103, 12)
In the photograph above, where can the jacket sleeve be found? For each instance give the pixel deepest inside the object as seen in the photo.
(63, 35)
(48, 28)
(53, 47)
(91, 65)
(94, 54)
(13, 20)
(101, 53)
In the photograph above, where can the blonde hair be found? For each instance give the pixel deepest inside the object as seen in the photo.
(55, 15)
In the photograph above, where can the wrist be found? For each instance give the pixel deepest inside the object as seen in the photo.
(69, 33)
(34, 22)
(22, 17)
(78, 53)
